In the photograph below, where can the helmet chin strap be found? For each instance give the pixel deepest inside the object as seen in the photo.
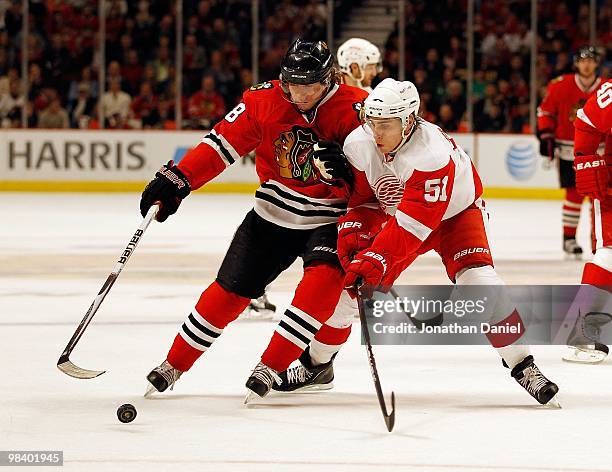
(358, 80)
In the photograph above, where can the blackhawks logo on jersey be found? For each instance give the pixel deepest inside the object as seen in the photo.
(574, 110)
(292, 150)
(261, 86)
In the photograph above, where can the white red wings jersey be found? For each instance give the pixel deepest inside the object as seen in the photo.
(431, 179)
(291, 193)
(564, 96)
(594, 121)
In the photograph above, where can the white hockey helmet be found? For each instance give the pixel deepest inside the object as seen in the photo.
(358, 51)
(393, 99)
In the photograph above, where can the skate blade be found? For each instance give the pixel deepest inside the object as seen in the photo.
(306, 389)
(250, 396)
(553, 403)
(150, 391)
(584, 356)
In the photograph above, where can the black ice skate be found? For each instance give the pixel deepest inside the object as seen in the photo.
(260, 382)
(571, 248)
(161, 378)
(584, 342)
(527, 374)
(306, 377)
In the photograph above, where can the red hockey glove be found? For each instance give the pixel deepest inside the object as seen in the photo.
(591, 176)
(352, 238)
(547, 143)
(368, 267)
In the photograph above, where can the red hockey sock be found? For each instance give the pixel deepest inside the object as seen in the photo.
(333, 336)
(512, 322)
(314, 301)
(215, 309)
(571, 212)
(597, 276)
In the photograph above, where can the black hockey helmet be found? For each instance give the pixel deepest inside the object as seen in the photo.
(587, 52)
(307, 62)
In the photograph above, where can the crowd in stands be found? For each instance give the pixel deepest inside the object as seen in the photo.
(436, 51)
(140, 72)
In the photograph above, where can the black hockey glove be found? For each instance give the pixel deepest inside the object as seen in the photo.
(169, 187)
(547, 143)
(331, 163)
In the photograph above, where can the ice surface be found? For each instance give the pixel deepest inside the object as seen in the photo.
(457, 408)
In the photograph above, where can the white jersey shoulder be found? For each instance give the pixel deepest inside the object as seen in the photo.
(360, 148)
(427, 150)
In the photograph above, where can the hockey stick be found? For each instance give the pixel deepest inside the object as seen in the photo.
(389, 417)
(435, 321)
(64, 363)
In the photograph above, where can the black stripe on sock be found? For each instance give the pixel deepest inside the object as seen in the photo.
(295, 332)
(301, 321)
(194, 337)
(201, 327)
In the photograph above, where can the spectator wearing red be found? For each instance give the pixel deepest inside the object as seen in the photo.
(144, 106)
(132, 71)
(206, 107)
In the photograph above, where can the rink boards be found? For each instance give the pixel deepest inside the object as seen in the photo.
(79, 160)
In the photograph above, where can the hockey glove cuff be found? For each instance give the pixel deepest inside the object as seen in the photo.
(352, 239)
(547, 143)
(368, 267)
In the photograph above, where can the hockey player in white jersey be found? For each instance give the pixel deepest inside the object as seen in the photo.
(360, 62)
(415, 190)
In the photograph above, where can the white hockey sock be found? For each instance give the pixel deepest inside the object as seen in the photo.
(322, 353)
(513, 354)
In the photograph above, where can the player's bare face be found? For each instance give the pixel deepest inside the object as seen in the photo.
(387, 132)
(306, 97)
(586, 67)
(369, 73)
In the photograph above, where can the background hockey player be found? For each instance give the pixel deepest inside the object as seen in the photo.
(360, 62)
(412, 169)
(593, 304)
(295, 212)
(564, 96)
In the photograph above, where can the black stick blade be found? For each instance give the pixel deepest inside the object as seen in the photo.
(390, 418)
(68, 368)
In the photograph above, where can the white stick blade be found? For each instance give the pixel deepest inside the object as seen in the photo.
(68, 368)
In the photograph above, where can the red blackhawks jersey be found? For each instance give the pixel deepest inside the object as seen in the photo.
(593, 123)
(290, 194)
(564, 96)
(429, 180)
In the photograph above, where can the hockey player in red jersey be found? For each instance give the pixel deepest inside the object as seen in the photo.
(359, 61)
(413, 177)
(592, 307)
(556, 114)
(295, 211)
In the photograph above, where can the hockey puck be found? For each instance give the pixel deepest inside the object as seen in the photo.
(126, 413)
